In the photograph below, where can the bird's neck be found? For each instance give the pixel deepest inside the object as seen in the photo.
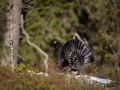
(60, 59)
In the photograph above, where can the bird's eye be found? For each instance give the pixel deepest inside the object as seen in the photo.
(59, 44)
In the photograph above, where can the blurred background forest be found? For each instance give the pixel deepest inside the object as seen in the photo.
(97, 21)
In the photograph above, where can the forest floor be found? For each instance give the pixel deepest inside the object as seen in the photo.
(21, 79)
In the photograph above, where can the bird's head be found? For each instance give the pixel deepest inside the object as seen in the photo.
(57, 45)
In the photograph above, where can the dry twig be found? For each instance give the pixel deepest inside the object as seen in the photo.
(35, 46)
(80, 39)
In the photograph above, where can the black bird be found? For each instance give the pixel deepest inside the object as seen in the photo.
(74, 54)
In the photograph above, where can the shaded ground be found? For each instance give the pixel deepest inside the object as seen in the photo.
(22, 80)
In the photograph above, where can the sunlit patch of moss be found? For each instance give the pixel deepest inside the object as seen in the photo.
(22, 67)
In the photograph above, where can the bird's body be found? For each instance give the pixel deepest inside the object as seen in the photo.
(76, 54)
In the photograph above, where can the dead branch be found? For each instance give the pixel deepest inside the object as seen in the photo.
(115, 56)
(111, 47)
(80, 39)
(35, 46)
(86, 42)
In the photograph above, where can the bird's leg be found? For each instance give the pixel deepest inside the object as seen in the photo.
(78, 72)
(69, 70)
(60, 65)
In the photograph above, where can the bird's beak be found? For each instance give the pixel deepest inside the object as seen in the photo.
(55, 43)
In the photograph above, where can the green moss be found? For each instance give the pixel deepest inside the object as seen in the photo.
(22, 67)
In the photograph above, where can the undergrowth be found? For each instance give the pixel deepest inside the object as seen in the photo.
(21, 79)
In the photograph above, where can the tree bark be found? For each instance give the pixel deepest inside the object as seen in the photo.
(12, 34)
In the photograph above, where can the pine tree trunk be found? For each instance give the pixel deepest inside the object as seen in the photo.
(12, 34)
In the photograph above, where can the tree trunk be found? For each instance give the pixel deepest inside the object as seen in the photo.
(12, 34)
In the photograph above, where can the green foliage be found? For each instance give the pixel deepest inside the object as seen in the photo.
(45, 86)
(18, 87)
(22, 67)
(99, 88)
(24, 81)
(63, 19)
(109, 33)
(97, 21)
(3, 5)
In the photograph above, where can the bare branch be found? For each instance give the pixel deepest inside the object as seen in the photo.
(86, 42)
(35, 46)
(80, 39)
(111, 47)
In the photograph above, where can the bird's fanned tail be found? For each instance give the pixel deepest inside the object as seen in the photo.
(75, 50)
(75, 53)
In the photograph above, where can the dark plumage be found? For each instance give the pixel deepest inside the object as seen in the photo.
(75, 53)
